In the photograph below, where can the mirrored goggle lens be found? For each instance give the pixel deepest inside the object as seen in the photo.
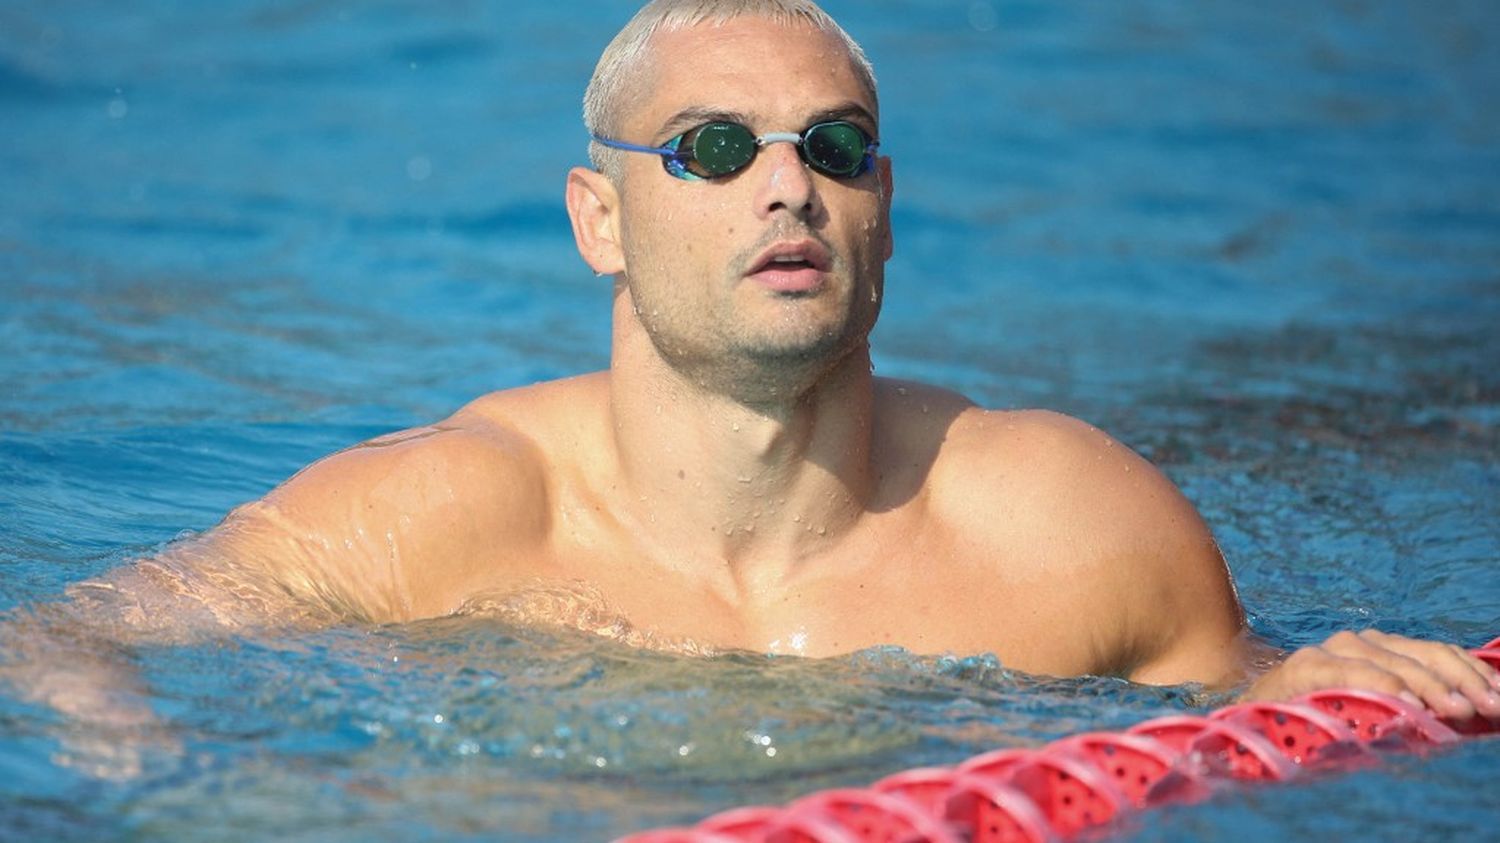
(718, 149)
(837, 149)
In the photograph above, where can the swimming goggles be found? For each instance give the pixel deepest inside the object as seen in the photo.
(838, 148)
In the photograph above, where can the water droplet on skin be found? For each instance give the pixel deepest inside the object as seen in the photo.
(743, 478)
(735, 427)
(822, 531)
(925, 409)
(901, 390)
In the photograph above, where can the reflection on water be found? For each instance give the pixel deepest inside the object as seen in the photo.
(1256, 241)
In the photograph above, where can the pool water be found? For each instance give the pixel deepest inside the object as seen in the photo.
(1259, 242)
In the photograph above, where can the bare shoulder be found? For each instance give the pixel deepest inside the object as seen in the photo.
(1055, 493)
(1046, 464)
(568, 394)
(408, 524)
(470, 460)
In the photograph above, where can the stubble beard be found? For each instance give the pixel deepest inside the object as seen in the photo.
(759, 359)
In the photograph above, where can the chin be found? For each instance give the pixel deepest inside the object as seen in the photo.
(801, 350)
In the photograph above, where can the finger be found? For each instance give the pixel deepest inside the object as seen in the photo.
(1316, 668)
(1431, 689)
(1364, 675)
(1465, 676)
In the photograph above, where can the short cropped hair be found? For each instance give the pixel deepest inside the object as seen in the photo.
(607, 93)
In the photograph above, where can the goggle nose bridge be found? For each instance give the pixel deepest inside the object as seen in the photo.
(778, 137)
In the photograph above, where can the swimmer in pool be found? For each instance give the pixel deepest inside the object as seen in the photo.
(738, 478)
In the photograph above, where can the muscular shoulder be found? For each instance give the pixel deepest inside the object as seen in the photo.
(468, 461)
(559, 417)
(1032, 462)
(401, 526)
(1064, 501)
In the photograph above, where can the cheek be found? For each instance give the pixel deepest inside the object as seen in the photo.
(871, 234)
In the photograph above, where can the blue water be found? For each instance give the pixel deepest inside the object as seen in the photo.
(1258, 242)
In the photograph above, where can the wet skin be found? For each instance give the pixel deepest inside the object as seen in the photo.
(739, 479)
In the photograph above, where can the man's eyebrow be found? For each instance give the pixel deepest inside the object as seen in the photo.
(697, 115)
(847, 111)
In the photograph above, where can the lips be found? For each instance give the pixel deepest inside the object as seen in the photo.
(794, 266)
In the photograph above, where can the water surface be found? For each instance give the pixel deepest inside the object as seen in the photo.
(1259, 243)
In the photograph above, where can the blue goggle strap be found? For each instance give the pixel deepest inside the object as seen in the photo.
(635, 147)
(675, 161)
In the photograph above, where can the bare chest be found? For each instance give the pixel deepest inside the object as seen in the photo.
(901, 584)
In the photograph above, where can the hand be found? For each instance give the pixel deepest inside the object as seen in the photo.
(1442, 677)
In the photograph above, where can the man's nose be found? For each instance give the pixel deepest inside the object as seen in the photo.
(786, 183)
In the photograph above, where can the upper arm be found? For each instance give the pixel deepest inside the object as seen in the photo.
(379, 532)
(1148, 595)
(1179, 619)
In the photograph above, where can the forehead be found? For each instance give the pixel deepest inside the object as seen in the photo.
(753, 66)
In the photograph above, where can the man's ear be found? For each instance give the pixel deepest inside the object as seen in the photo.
(887, 190)
(594, 207)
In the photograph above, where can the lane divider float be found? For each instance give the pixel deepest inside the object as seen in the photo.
(1088, 781)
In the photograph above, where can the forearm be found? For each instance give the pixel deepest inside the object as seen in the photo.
(47, 655)
(78, 654)
(53, 656)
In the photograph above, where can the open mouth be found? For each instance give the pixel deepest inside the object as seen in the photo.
(802, 258)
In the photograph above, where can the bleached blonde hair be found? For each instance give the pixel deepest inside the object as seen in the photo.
(609, 90)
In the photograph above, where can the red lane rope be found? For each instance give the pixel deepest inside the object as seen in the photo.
(1087, 781)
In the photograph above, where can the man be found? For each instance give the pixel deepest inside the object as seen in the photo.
(738, 478)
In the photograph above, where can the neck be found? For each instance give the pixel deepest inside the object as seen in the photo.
(744, 483)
